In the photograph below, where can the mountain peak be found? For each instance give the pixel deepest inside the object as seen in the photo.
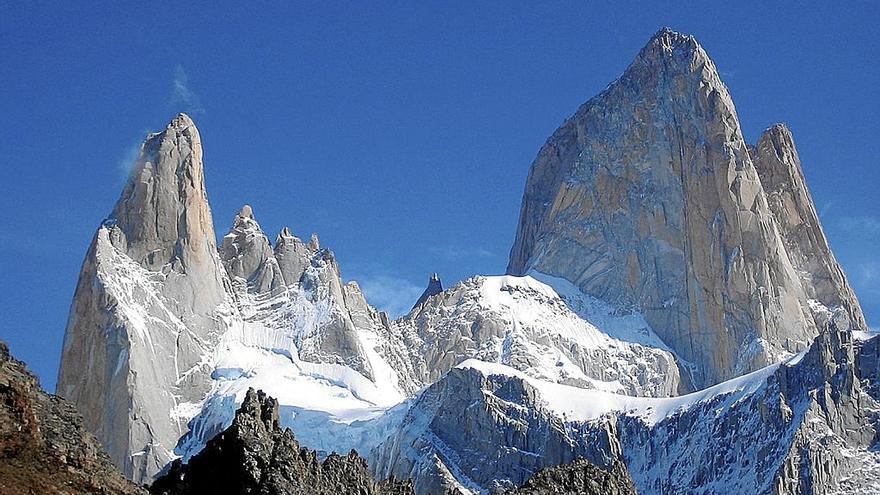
(672, 51)
(435, 286)
(180, 122)
(662, 148)
(669, 38)
(163, 211)
(247, 254)
(246, 212)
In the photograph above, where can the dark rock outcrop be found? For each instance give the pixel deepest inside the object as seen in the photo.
(578, 478)
(434, 287)
(255, 455)
(44, 448)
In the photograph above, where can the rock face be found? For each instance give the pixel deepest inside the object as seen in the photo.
(809, 428)
(578, 478)
(648, 199)
(291, 269)
(806, 426)
(434, 287)
(44, 447)
(254, 455)
(151, 301)
(474, 432)
(553, 333)
(777, 162)
(247, 254)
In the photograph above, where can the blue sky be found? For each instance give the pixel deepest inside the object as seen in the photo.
(401, 132)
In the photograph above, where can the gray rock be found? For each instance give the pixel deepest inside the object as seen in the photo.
(151, 301)
(648, 199)
(777, 162)
(578, 478)
(435, 286)
(293, 256)
(476, 432)
(247, 255)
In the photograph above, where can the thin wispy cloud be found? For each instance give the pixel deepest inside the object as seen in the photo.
(868, 273)
(183, 98)
(394, 295)
(865, 226)
(457, 253)
(127, 160)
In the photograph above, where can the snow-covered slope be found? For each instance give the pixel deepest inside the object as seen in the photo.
(309, 341)
(547, 330)
(517, 321)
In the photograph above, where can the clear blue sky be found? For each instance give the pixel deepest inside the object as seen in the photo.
(401, 132)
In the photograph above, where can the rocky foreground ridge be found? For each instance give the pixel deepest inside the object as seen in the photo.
(44, 447)
(256, 455)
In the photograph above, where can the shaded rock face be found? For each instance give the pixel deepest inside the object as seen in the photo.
(578, 478)
(44, 447)
(648, 199)
(469, 431)
(254, 455)
(151, 301)
(809, 426)
(809, 430)
(434, 287)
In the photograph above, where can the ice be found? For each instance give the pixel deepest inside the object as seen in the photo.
(578, 404)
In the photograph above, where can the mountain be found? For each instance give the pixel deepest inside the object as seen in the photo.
(776, 160)
(804, 426)
(648, 198)
(672, 296)
(151, 301)
(550, 331)
(44, 447)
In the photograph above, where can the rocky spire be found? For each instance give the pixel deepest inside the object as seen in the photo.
(647, 198)
(293, 256)
(163, 211)
(778, 164)
(248, 255)
(147, 305)
(434, 287)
